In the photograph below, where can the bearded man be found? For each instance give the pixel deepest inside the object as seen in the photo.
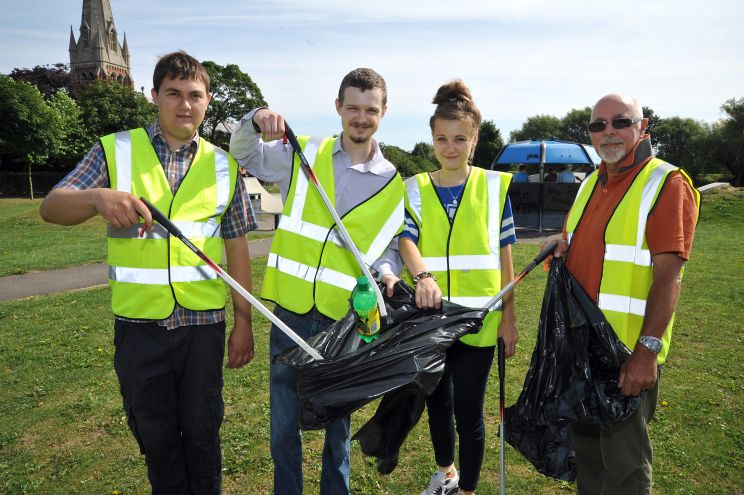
(626, 240)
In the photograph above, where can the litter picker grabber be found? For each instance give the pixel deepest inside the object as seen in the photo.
(527, 269)
(549, 248)
(336, 218)
(502, 372)
(176, 232)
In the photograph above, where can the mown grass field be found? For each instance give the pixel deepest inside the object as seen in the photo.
(30, 244)
(63, 430)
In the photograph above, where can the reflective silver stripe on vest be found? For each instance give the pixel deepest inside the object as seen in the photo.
(222, 169)
(298, 203)
(292, 268)
(336, 278)
(123, 157)
(308, 273)
(414, 197)
(462, 262)
(388, 231)
(637, 254)
(494, 219)
(627, 254)
(159, 276)
(294, 222)
(305, 229)
(647, 200)
(192, 273)
(622, 304)
(191, 230)
(474, 302)
(584, 183)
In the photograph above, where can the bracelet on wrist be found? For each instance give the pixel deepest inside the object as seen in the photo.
(423, 275)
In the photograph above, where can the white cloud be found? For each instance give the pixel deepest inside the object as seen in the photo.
(519, 58)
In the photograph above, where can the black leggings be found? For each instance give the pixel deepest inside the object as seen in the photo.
(461, 393)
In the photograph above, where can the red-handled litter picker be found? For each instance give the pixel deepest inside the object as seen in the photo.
(527, 269)
(339, 224)
(501, 356)
(176, 232)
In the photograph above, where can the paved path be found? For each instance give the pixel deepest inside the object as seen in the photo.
(78, 277)
(95, 275)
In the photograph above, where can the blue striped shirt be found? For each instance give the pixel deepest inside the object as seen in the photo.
(448, 195)
(238, 220)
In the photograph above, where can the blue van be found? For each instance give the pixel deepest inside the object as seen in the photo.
(547, 174)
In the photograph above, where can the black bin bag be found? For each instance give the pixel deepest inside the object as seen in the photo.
(573, 377)
(404, 366)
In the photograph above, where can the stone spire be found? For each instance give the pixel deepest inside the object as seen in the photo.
(125, 49)
(97, 52)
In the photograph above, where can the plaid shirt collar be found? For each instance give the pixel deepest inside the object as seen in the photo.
(156, 133)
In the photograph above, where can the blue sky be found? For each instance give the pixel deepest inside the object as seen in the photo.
(520, 58)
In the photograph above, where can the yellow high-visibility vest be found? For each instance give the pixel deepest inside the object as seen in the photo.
(464, 255)
(627, 269)
(309, 263)
(149, 274)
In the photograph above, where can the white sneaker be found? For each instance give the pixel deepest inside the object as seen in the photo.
(442, 483)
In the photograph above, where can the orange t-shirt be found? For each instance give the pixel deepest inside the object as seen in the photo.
(670, 227)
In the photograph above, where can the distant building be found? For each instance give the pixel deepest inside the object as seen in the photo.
(97, 53)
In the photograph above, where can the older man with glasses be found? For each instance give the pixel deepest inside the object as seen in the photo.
(627, 238)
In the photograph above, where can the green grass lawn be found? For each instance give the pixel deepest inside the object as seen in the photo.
(63, 428)
(30, 244)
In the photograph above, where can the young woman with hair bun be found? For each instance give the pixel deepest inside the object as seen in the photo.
(456, 245)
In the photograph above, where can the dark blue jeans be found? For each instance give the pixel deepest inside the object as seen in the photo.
(286, 439)
(171, 383)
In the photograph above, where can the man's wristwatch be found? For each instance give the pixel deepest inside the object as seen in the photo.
(651, 343)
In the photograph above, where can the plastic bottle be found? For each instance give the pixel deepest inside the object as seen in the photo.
(364, 302)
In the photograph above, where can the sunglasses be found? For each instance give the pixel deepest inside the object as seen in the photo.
(619, 123)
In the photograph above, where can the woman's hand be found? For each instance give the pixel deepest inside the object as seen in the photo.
(508, 331)
(428, 294)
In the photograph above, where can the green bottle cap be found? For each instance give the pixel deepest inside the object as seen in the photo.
(362, 282)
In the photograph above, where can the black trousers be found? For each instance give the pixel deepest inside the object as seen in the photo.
(459, 397)
(171, 383)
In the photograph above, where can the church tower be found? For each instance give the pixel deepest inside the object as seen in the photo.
(97, 53)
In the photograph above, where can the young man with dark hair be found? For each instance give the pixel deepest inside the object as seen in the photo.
(310, 274)
(169, 306)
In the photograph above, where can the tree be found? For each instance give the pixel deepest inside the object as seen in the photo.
(47, 78)
(407, 164)
(538, 127)
(732, 131)
(108, 107)
(713, 150)
(72, 140)
(28, 128)
(574, 125)
(423, 155)
(653, 122)
(423, 150)
(489, 144)
(679, 141)
(233, 94)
